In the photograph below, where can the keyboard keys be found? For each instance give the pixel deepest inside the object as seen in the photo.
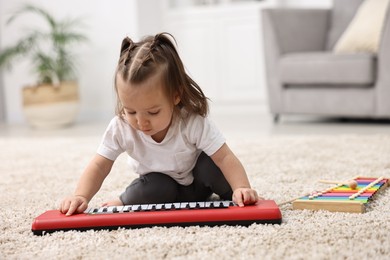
(184, 205)
(201, 204)
(208, 204)
(168, 206)
(193, 205)
(136, 208)
(126, 208)
(151, 207)
(161, 207)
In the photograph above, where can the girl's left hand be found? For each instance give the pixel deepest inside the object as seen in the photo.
(245, 196)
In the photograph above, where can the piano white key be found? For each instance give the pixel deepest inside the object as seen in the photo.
(88, 210)
(136, 207)
(127, 208)
(226, 203)
(151, 207)
(216, 204)
(119, 208)
(193, 205)
(159, 206)
(183, 205)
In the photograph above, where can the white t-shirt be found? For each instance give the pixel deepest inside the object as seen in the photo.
(175, 156)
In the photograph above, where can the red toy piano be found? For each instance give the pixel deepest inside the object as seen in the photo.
(207, 213)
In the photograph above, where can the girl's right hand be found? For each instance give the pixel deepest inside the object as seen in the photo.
(74, 204)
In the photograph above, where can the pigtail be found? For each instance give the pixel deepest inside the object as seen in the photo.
(127, 47)
(126, 43)
(155, 42)
(191, 95)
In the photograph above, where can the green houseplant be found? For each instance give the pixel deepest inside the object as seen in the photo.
(53, 100)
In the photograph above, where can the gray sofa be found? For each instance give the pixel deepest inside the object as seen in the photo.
(304, 75)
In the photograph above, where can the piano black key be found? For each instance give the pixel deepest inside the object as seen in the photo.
(208, 204)
(201, 204)
(161, 206)
(110, 209)
(222, 205)
(102, 210)
(219, 204)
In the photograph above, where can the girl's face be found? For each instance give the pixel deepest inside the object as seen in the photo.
(146, 106)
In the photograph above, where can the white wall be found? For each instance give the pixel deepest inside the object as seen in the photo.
(221, 44)
(106, 23)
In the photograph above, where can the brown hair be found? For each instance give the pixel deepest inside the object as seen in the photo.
(140, 60)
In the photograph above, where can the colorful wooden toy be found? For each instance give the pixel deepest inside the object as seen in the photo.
(343, 198)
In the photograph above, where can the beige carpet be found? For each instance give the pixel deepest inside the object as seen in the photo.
(36, 173)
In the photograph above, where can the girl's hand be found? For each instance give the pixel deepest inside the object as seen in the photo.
(73, 204)
(245, 196)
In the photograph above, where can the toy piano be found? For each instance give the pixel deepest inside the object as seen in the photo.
(209, 213)
(343, 198)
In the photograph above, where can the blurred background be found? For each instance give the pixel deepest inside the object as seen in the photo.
(215, 38)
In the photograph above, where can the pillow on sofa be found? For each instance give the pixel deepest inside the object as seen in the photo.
(364, 31)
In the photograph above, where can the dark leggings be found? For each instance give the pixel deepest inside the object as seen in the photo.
(156, 187)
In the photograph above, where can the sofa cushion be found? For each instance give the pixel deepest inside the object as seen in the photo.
(342, 13)
(328, 68)
(364, 32)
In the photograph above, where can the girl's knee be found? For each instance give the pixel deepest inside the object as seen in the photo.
(205, 169)
(150, 188)
(208, 174)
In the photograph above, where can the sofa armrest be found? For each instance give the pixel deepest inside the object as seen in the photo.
(382, 86)
(290, 30)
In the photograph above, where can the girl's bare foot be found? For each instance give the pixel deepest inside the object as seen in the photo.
(116, 202)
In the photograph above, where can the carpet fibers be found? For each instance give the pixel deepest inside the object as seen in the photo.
(36, 173)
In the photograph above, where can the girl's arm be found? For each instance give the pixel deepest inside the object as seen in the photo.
(89, 184)
(236, 176)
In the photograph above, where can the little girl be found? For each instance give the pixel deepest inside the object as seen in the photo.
(161, 123)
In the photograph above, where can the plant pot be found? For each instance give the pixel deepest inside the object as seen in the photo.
(49, 106)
